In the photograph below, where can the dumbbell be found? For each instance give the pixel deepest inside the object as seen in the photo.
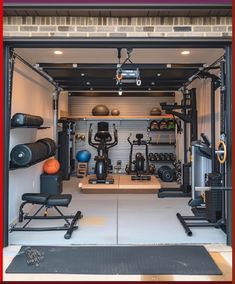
(151, 157)
(172, 157)
(167, 157)
(161, 157)
(156, 157)
(152, 169)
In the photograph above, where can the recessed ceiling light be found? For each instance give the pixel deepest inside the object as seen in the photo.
(88, 83)
(58, 52)
(158, 74)
(149, 89)
(153, 83)
(120, 93)
(185, 52)
(82, 74)
(91, 89)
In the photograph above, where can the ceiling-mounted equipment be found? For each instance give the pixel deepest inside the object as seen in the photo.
(124, 75)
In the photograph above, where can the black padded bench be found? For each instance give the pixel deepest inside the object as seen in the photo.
(47, 201)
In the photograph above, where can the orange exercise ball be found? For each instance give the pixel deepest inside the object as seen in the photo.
(51, 166)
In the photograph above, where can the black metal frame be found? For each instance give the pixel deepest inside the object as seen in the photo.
(138, 142)
(102, 145)
(101, 83)
(189, 116)
(69, 227)
(200, 219)
(192, 42)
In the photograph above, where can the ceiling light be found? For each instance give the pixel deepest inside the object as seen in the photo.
(185, 52)
(82, 74)
(58, 52)
(120, 93)
(158, 74)
(149, 89)
(91, 89)
(153, 83)
(88, 83)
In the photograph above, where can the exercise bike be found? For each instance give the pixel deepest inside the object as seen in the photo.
(140, 172)
(102, 142)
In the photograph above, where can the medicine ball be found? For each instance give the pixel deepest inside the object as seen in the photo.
(155, 111)
(83, 156)
(115, 112)
(100, 110)
(51, 166)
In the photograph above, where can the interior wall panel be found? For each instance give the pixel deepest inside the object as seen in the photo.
(31, 94)
(79, 106)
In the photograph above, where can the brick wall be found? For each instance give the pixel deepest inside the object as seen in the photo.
(117, 27)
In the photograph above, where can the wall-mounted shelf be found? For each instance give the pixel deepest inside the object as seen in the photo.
(161, 130)
(35, 127)
(13, 167)
(163, 144)
(120, 117)
(165, 162)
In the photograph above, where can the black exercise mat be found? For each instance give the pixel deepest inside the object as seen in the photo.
(143, 260)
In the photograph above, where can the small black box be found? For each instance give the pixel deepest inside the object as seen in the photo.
(51, 184)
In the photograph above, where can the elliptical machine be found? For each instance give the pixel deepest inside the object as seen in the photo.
(102, 142)
(140, 172)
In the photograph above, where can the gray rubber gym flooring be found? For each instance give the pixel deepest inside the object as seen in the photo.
(144, 260)
(121, 219)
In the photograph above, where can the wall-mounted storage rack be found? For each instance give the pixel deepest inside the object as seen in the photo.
(120, 117)
(35, 127)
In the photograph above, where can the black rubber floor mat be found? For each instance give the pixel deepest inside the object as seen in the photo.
(143, 260)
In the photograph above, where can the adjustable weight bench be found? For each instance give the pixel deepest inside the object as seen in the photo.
(47, 201)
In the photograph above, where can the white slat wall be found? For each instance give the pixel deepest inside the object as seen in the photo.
(79, 106)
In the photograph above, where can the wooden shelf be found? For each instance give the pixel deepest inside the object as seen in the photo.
(120, 117)
(34, 127)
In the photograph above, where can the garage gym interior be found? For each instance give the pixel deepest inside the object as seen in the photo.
(117, 146)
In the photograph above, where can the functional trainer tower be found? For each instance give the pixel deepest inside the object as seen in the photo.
(213, 214)
(188, 114)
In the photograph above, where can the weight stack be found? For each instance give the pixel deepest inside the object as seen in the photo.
(82, 170)
(213, 198)
(51, 184)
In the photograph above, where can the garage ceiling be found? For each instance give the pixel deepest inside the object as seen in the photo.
(94, 70)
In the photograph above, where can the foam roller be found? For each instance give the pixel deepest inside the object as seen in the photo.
(23, 119)
(30, 153)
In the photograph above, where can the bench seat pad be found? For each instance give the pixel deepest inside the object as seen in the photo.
(59, 200)
(35, 198)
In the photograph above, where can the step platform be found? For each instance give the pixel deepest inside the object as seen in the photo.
(122, 184)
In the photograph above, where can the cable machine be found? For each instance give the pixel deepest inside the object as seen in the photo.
(188, 115)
